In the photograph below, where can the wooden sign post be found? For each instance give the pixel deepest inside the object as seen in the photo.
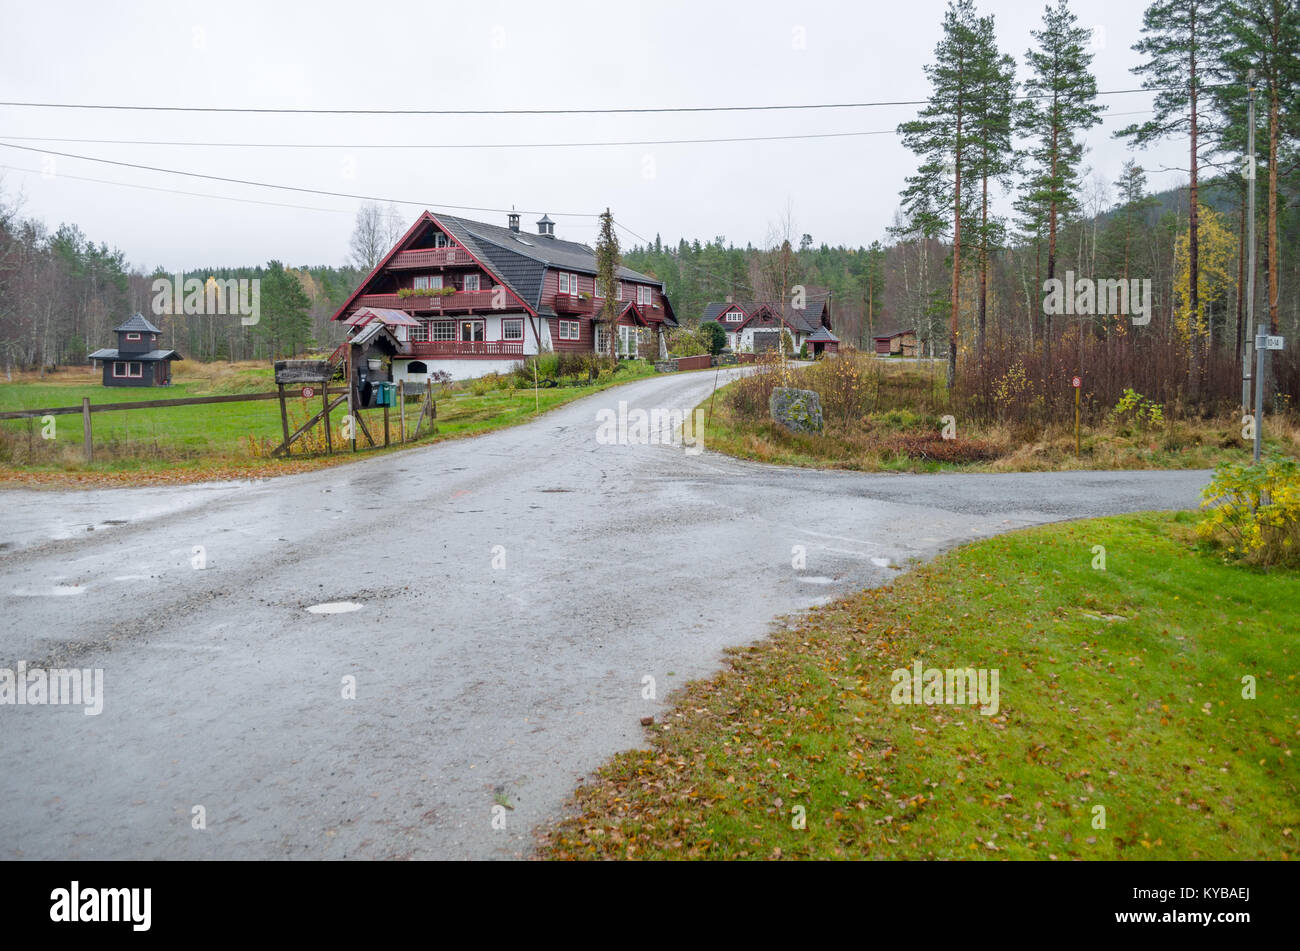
(1077, 383)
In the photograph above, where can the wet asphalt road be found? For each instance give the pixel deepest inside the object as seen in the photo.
(475, 685)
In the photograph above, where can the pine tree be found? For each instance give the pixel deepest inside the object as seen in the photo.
(992, 157)
(940, 136)
(1178, 38)
(1263, 35)
(1062, 104)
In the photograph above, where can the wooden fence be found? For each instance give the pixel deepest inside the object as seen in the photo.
(86, 409)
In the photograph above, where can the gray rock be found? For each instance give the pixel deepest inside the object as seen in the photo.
(799, 411)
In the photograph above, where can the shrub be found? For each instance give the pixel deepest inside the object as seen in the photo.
(1137, 408)
(1254, 511)
(933, 447)
(750, 395)
(712, 338)
(685, 343)
(843, 385)
(803, 352)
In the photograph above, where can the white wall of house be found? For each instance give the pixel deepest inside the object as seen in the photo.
(459, 369)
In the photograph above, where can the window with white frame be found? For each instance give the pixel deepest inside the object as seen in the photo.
(512, 329)
(427, 281)
(735, 316)
(620, 290)
(132, 336)
(119, 369)
(471, 282)
(568, 283)
(628, 337)
(595, 288)
(570, 330)
(443, 330)
(420, 332)
(644, 295)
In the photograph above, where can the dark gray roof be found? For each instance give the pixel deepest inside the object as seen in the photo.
(137, 324)
(815, 314)
(893, 333)
(521, 259)
(822, 335)
(711, 311)
(150, 357)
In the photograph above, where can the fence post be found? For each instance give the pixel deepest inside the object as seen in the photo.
(284, 421)
(86, 434)
(325, 405)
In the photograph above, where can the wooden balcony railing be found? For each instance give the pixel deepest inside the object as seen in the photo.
(572, 304)
(450, 303)
(430, 257)
(466, 348)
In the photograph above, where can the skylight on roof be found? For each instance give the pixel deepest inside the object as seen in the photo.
(522, 241)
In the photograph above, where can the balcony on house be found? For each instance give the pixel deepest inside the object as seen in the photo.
(430, 304)
(430, 257)
(466, 348)
(572, 304)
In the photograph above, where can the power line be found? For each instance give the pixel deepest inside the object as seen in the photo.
(177, 191)
(477, 145)
(448, 145)
(291, 188)
(542, 112)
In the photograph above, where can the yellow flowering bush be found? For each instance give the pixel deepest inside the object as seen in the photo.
(1253, 511)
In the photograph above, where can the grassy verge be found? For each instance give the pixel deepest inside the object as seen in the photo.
(901, 431)
(227, 440)
(1120, 688)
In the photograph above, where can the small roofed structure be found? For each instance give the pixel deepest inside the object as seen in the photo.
(822, 341)
(897, 343)
(137, 360)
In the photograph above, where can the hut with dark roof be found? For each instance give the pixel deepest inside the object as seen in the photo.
(136, 360)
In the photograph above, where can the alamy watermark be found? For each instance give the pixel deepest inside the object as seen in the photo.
(656, 427)
(58, 686)
(1088, 298)
(934, 685)
(182, 295)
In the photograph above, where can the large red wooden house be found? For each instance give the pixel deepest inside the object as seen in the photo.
(482, 297)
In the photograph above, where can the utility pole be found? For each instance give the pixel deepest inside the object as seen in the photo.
(1249, 337)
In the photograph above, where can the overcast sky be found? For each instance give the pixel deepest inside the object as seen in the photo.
(497, 54)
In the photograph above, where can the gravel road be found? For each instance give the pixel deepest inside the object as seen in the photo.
(514, 591)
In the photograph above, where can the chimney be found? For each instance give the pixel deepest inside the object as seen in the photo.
(513, 218)
(546, 227)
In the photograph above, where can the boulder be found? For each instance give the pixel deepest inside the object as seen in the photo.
(799, 411)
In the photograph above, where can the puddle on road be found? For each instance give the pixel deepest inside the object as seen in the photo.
(334, 607)
(57, 591)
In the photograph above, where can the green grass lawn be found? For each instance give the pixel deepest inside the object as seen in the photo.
(1120, 688)
(230, 439)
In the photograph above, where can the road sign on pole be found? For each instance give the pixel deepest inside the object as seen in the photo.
(1077, 383)
(1267, 342)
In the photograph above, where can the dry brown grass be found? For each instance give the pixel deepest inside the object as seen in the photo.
(899, 417)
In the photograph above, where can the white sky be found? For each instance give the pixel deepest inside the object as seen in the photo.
(491, 55)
